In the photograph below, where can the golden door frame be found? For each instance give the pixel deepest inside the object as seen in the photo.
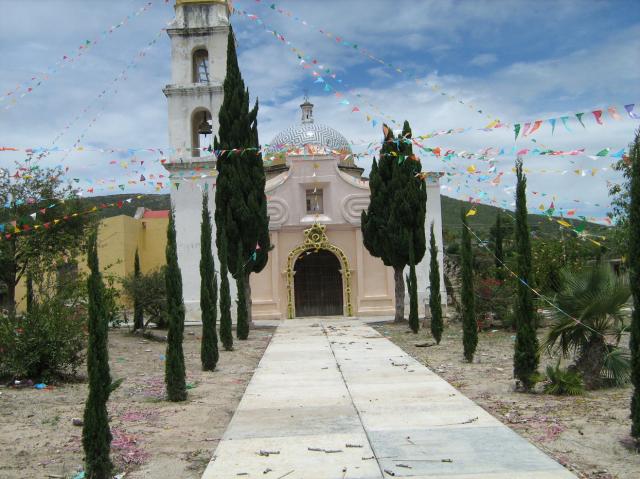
(315, 238)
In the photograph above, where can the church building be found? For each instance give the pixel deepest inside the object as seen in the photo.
(315, 192)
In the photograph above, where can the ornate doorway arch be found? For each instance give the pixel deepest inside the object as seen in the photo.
(315, 239)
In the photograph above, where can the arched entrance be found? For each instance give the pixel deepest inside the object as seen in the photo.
(318, 284)
(316, 241)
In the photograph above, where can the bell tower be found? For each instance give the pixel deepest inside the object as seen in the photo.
(198, 37)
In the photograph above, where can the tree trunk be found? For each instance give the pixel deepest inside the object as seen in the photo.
(399, 279)
(248, 301)
(591, 361)
(11, 282)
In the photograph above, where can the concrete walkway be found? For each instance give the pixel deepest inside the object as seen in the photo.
(333, 399)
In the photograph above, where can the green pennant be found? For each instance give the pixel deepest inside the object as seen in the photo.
(579, 117)
(516, 129)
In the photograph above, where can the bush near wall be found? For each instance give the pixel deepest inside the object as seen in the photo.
(46, 343)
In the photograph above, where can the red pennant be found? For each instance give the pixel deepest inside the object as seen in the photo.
(598, 115)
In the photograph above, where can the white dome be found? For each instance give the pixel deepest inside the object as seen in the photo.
(321, 137)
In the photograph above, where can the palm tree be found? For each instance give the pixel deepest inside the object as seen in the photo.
(589, 323)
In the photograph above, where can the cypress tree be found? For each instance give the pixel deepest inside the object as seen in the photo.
(393, 225)
(497, 248)
(96, 435)
(435, 305)
(414, 321)
(469, 324)
(634, 266)
(208, 292)
(226, 334)
(174, 374)
(525, 359)
(241, 182)
(242, 326)
(138, 314)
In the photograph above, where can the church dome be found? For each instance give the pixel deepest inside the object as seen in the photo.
(310, 137)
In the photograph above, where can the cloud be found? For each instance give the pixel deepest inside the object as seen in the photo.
(484, 59)
(538, 69)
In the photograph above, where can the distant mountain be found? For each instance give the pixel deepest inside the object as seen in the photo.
(485, 217)
(481, 222)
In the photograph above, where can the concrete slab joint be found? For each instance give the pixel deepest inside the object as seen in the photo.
(331, 398)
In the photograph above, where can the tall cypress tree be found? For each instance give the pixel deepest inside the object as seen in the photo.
(393, 225)
(525, 359)
(435, 305)
(174, 374)
(242, 327)
(241, 182)
(634, 266)
(96, 435)
(469, 324)
(497, 248)
(138, 314)
(226, 334)
(414, 321)
(208, 292)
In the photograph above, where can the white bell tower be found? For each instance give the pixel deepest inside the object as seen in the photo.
(198, 36)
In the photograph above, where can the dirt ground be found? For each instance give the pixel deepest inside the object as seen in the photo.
(587, 433)
(153, 438)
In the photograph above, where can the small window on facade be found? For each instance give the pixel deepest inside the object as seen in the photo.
(201, 66)
(314, 201)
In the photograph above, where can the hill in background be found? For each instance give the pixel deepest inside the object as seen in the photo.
(481, 222)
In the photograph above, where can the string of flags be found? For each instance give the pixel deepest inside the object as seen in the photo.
(27, 87)
(340, 40)
(322, 73)
(11, 229)
(111, 89)
(529, 128)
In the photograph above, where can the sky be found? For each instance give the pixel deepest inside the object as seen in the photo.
(515, 61)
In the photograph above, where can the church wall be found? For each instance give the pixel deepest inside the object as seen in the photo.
(186, 199)
(434, 214)
(371, 282)
(376, 294)
(266, 285)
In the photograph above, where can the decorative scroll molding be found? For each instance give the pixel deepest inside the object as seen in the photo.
(315, 238)
(352, 207)
(278, 211)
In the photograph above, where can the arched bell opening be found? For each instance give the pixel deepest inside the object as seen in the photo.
(201, 66)
(201, 131)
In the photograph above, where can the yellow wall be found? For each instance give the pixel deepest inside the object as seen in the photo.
(118, 238)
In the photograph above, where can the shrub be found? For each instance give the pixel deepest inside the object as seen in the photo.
(149, 290)
(47, 342)
(493, 301)
(563, 382)
(616, 370)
